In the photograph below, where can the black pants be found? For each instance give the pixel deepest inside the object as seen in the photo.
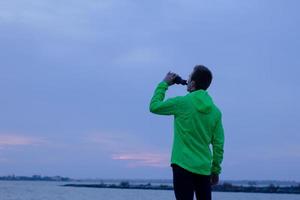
(186, 183)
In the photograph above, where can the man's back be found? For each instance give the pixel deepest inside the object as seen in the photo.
(197, 124)
(195, 127)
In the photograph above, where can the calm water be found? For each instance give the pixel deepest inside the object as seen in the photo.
(39, 190)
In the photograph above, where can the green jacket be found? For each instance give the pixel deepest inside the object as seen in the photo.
(197, 125)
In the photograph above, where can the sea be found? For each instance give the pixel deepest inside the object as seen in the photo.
(51, 190)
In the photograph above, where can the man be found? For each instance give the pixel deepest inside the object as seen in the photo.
(197, 125)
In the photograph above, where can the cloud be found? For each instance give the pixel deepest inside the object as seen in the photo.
(109, 141)
(140, 55)
(44, 11)
(12, 140)
(4, 160)
(123, 146)
(15, 140)
(143, 159)
(63, 18)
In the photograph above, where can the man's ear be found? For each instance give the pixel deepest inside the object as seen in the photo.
(193, 84)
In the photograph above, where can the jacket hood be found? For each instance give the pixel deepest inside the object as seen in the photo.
(202, 101)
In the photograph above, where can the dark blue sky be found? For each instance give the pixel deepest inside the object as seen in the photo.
(76, 79)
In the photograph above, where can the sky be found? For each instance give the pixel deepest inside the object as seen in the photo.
(76, 79)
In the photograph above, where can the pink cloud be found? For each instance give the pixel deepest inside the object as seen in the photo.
(114, 141)
(3, 160)
(104, 139)
(13, 139)
(123, 146)
(143, 159)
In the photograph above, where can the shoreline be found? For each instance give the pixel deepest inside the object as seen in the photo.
(218, 188)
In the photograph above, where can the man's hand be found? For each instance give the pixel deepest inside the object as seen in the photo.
(170, 77)
(214, 179)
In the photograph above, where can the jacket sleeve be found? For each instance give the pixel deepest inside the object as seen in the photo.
(158, 106)
(218, 147)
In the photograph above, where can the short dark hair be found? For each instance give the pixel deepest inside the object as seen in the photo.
(202, 77)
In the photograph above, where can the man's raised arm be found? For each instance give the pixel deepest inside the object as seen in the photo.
(158, 105)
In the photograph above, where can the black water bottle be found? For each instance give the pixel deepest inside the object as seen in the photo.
(179, 80)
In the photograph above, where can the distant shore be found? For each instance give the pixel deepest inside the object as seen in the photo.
(282, 187)
(225, 187)
(34, 178)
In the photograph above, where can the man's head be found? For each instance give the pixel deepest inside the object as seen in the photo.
(199, 79)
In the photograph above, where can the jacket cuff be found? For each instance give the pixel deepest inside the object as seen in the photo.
(163, 84)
